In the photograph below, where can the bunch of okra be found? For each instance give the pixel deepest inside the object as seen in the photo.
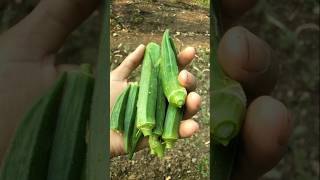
(153, 107)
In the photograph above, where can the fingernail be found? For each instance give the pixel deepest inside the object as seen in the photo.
(141, 46)
(258, 55)
(194, 97)
(196, 127)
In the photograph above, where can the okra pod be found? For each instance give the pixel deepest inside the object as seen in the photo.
(135, 140)
(228, 97)
(175, 93)
(171, 125)
(156, 146)
(118, 111)
(148, 90)
(69, 146)
(130, 116)
(29, 152)
(228, 108)
(161, 110)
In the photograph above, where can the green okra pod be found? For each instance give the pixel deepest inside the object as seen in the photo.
(118, 111)
(148, 90)
(136, 138)
(171, 125)
(156, 146)
(130, 116)
(228, 108)
(161, 111)
(228, 97)
(175, 93)
(29, 152)
(98, 126)
(69, 146)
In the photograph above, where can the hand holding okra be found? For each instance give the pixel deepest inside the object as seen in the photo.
(118, 81)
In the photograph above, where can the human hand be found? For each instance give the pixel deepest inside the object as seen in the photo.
(119, 80)
(27, 58)
(267, 126)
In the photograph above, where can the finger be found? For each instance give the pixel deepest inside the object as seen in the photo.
(187, 80)
(188, 128)
(44, 30)
(116, 144)
(233, 9)
(265, 135)
(186, 56)
(193, 104)
(247, 59)
(130, 63)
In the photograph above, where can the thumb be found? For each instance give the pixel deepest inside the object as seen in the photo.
(45, 29)
(129, 64)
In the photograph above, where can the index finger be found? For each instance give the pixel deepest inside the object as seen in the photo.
(248, 60)
(186, 56)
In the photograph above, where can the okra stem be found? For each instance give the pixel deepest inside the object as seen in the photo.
(156, 146)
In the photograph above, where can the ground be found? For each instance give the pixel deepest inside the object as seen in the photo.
(291, 29)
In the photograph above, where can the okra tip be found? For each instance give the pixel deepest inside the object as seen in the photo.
(170, 144)
(178, 97)
(160, 153)
(179, 102)
(225, 132)
(156, 146)
(146, 131)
